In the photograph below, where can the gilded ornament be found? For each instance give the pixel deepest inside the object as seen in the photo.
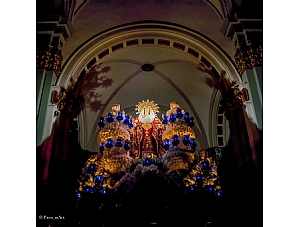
(115, 108)
(173, 109)
(146, 126)
(61, 99)
(232, 100)
(66, 102)
(112, 131)
(179, 129)
(248, 57)
(50, 59)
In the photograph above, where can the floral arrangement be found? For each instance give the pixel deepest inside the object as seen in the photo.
(115, 162)
(146, 182)
(204, 176)
(130, 180)
(102, 172)
(176, 159)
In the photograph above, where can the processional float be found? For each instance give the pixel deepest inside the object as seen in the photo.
(131, 148)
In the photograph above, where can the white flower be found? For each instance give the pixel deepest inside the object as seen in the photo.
(153, 167)
(138, 168)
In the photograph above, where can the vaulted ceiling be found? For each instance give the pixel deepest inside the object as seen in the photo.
(94, 16)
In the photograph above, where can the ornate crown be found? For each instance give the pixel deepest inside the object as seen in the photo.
(140, 106)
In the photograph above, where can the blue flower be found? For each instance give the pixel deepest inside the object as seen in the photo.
(119, 142)
(175, 140)
(186, 140)
(179, 113)
(165, 120)
(110, 143)
(109, 118)
(101, 122)
(172, 117)
(120, 116)
(126, 145)
(167, 144)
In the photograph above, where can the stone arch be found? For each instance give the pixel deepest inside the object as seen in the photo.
(195, 44)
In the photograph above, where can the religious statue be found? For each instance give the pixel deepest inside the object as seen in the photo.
(147, 131)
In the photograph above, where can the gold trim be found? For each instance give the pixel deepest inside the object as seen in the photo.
(232, 100)
(112, 131)
(248, 57)
(146, 125)
(50, 59)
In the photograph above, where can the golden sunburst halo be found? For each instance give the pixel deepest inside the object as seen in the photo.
(141, 105)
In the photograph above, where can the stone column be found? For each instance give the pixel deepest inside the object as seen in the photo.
(239, 171)
(52, 33)
(243, 25)
(48, 68)
(249, 62)
(235, 113)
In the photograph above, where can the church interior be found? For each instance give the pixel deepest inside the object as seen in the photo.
(149, 113)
